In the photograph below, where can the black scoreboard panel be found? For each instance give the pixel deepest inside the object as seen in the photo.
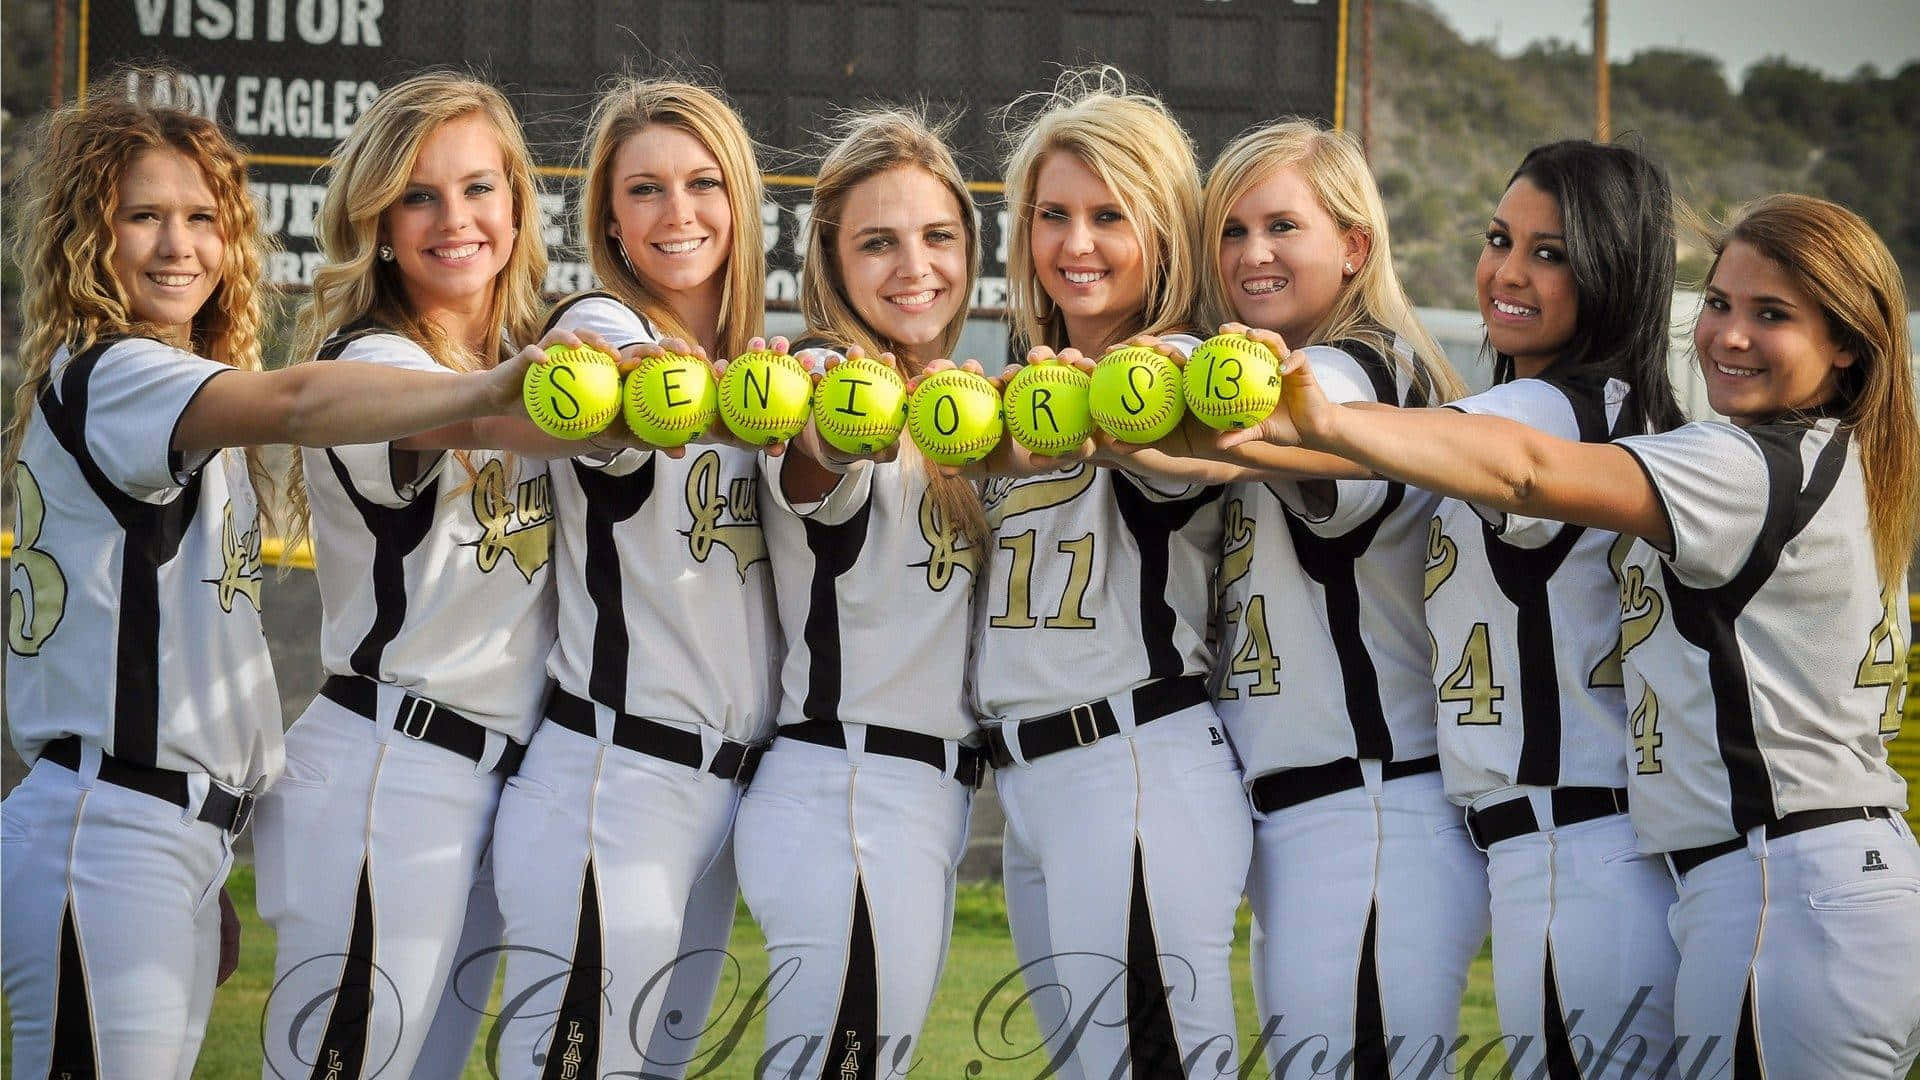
(289, 76)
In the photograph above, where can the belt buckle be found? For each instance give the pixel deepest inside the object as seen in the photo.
(243, 813)
(412, 724)
(745, 765)
(1092, 733)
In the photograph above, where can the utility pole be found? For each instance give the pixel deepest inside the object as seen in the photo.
(1366, 78)
(58, 87)
(1602, 107)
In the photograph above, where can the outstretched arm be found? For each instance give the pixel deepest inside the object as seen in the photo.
(1488, 460)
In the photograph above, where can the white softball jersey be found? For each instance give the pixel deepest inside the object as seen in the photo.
(1324, 655)
(433, 567)
(874, 590)
(1524, 618)
(665, 592)
(1763, 658)
(134, 633)
(1101, 582)
(136, 575)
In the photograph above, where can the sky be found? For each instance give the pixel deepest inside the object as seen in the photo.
(1835, 36)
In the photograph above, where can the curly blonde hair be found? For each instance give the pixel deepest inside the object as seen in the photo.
(71, 296)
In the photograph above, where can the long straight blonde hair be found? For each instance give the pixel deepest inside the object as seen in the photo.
(1372, 306)
(367, 176)
(70, 295)
(1846, 268)
(368, 173)
(1135, 146)
(869, 143)
(623, 112)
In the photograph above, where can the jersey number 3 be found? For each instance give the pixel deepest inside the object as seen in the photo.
(33, 616)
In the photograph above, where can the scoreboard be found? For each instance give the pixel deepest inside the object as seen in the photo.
(289, 78)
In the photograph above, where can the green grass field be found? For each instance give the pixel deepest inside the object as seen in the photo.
(980, 957)
(962, 1038)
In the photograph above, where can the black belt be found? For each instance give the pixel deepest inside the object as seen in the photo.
(1084, 725)
(1571, 806)
(1686, 859)
(893, 742)
(734, 761)
(1287, 788)
(224, 809)
(419, 718)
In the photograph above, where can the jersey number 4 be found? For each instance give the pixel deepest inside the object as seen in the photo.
(32, 616)
(1471, 681)
(1068, 616)
(1885, 663)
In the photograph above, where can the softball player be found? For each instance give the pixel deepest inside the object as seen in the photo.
(1369, 901)
(137, 540)
(1760, 636)
(849, 838)
(1127, 836)
(437, 605)
(668, 648)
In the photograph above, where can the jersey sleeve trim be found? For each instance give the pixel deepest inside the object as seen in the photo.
(178, 463)
(1659, 496)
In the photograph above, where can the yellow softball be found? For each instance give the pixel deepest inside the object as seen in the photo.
(1046, 408)
(764, 397)
(860, 406)
(1232, 381)
(1135, 395)
(574, 393)
(670, 399)
(955, 417)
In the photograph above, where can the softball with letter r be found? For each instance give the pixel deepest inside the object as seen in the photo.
(574, 393)
(955, 417)
(860, 406)
(764, 397)
(1232, 381)
(1135, 395)
(1047, 408)
(670, 399)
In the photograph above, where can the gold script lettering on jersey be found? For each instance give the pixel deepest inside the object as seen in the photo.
(729, 518)
(516, 520)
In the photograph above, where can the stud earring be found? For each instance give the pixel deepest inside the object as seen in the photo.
(1349, 268)
(385, 252)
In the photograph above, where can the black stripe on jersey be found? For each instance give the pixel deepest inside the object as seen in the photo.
(1524, 576)
(342, 1052)
(1152, 1047)
(1561, 1062)
(561, 308)
(152, 539)
(835, 548)
(574, 1049)
(1153, 524)
(74, 1054)
(853, 1045)
(1330, 560)
(611, 500)
(396, 533)
(1706, 617)
(1370, 1058)
(1748, 1064)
